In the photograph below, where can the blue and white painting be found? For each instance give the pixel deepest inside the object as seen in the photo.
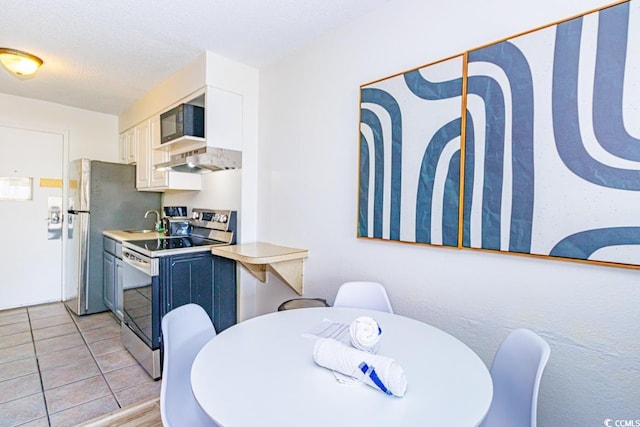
(553, 163)
(551, 145)
(410, 139)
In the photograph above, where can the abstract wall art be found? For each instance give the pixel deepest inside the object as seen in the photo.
(410, 155)
(528, 145)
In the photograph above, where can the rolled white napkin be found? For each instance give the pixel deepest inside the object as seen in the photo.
(379, 372)
(365, 334)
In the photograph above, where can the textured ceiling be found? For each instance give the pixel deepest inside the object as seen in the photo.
(102, 55)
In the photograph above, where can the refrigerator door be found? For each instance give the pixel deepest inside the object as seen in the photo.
(79, 185)
(115, 205)
(76, 262)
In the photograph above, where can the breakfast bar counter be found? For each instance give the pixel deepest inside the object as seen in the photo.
(284, 262)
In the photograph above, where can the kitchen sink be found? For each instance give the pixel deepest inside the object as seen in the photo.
(139, 231)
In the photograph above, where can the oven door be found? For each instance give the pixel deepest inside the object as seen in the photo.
(141, 296)
(141, 310)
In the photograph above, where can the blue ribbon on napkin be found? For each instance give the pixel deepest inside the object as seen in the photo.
(371, 372)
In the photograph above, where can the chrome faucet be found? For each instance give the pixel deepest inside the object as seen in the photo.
(158, 224)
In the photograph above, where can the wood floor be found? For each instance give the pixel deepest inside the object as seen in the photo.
(145, 414)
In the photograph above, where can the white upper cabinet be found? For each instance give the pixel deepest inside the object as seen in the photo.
(159, 178)
(128, 147)
(223, 119)
(143, 163)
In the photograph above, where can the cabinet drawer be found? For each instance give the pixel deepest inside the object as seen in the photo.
(110, 245)
(113, 247)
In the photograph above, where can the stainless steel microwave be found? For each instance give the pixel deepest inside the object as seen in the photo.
(183, 120)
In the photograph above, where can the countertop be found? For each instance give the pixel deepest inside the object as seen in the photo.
(122, 235)
(285, 262)
(259, 253)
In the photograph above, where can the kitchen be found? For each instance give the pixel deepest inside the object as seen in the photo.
(226, 186)
(303, 173)
(95, 136)
(225, 189)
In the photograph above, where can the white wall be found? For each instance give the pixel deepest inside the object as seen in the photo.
(220, 190)
(309, 106)
(91, 135)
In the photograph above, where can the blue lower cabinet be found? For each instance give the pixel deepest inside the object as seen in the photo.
(203, 279)
(225, 293)
(109, 280)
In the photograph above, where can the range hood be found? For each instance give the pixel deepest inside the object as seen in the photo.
(205, 159)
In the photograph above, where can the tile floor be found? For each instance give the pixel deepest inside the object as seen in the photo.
(58, 369)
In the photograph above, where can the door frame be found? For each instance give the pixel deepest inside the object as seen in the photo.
(64, 134)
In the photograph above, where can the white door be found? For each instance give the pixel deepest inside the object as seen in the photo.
(30, 263)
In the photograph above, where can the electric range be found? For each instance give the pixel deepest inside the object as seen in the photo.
(144, 262)
(210, 228)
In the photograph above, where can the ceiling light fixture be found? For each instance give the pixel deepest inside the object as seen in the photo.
(20, 63)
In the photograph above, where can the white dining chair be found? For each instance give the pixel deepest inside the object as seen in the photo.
(359, 294)
(516, 372)
(185, 330)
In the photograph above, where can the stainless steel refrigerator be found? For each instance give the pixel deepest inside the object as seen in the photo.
(102, 196)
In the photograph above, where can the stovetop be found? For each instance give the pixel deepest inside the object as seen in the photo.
(178, 242)
(210, 228)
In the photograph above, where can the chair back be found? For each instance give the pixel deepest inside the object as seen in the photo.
(185, 330)
(516, 372)
(370, 295)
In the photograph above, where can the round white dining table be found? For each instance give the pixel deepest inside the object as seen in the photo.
(261, 372)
